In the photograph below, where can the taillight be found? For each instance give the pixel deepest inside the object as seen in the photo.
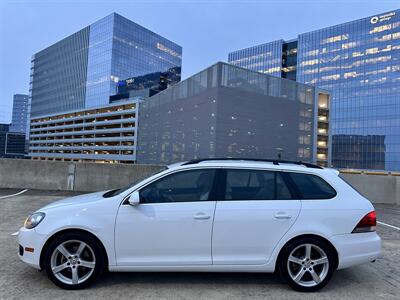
(367, 223)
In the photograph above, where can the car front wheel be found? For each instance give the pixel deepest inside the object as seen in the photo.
(307, 264)
(74, 260)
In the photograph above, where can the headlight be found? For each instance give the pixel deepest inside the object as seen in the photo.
(33, 220)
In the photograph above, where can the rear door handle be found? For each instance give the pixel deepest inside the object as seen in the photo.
(282, 216)
(201, 216)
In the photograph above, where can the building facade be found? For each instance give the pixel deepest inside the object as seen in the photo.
(19, 113)
(101, 134)
(12, 144)
(359, 62)
(83, 70)
(79, 109)
(359, 151)
(265, 58)
(4, 127)
(146, 85)
(228, 111)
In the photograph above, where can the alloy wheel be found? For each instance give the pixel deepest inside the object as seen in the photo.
(73, 262)
(307, 265)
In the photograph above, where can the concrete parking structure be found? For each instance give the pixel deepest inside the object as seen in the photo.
(370, 281)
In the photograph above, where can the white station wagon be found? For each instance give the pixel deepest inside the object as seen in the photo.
(208, 215)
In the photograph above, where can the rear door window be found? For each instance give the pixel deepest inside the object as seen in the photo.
(312, 187)
(255, 185)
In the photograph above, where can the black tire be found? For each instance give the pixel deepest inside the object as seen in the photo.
(70, 238)
(296, 245)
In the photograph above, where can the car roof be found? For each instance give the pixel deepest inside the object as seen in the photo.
(248, 163)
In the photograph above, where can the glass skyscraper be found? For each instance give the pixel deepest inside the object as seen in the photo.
(359, 62)
(83, 70)
(265, 58)
(19, 113)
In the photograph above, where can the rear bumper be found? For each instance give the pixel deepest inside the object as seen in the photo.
(357, 248)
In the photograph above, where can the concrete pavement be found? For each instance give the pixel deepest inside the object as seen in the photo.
(18, 281)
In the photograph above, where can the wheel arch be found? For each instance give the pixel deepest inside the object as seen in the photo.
(315, 236)
(70, 230)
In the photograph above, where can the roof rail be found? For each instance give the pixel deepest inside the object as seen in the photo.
(274, 161)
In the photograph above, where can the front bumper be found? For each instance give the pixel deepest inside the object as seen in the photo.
(357, 248)
(29, 238)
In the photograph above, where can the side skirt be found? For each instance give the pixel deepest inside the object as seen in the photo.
(203, 268)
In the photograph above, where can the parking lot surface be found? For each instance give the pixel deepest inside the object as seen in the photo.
(18, 281)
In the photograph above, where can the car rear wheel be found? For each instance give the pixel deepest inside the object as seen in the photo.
(74, 260)
(307, 264)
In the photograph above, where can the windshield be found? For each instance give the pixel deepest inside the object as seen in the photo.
(116, 192)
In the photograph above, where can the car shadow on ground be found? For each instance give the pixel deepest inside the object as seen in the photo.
(111, 278)
(341, 278)
(202, 284)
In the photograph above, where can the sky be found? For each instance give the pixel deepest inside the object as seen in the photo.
(207, 30)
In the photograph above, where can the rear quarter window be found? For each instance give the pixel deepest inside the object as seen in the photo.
(346, 180)
(312, 186)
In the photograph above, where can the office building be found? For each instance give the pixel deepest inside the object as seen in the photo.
(83, 70)
(19, 113)
(228, 111)
(277, 58)
(85, 90)
(106, 133)
(359, 62)
(12, 144)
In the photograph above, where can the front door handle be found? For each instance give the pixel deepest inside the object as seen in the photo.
(282, 216)
(201, 216)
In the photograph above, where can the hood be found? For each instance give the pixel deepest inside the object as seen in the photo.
(77, 200)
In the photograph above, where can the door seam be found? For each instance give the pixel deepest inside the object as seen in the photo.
(212, 233)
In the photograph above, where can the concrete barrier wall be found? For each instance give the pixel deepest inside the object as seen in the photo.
(57, 175)
(97, 177)
(85, 177)
(377, 188)
(24, 173)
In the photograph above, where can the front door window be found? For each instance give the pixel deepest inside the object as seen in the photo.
(186, 186)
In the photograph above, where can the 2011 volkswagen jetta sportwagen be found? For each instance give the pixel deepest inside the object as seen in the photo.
(213, 215)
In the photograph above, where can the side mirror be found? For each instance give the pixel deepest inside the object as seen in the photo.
(134, 199)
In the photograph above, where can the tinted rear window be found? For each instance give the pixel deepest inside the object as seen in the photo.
(244, 184)
(312, 186)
